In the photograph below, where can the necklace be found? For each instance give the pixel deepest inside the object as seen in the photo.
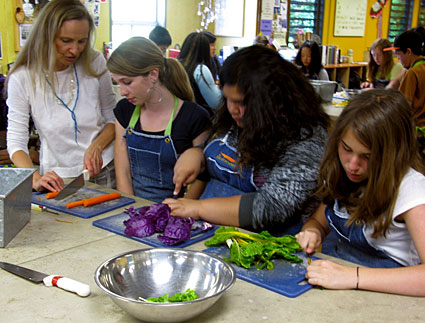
(72, 84)
(73, 116)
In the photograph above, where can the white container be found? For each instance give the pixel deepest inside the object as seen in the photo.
(15, 201)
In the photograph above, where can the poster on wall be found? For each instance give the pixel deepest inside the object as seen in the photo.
(229, 21)
(24, 32)
(350, 18)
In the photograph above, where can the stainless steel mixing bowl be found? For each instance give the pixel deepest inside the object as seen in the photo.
(153, 272)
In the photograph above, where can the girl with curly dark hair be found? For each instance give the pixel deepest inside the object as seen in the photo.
(263, 156)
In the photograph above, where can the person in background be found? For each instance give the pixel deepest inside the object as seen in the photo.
(382, 71)
(62, 82)
(155, 122)
(263, 156)
(373, 188)
(195, 56)
(310, 61)
(262, 40)
(215, 63)
(162, 38)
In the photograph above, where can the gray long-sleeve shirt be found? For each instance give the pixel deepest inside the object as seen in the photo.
(288, 187)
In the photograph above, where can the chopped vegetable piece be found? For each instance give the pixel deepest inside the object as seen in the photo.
(51, 195)
(256, 249)
(70, 205)
(101, 198)
(187, 296)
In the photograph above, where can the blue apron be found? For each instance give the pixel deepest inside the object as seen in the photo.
(226, 177)
(152, 159)
(349, 242)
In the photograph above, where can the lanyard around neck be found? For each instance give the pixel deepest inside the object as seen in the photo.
(136, 114)
(73, 116)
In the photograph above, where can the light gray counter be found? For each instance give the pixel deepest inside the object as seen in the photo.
(72, 247)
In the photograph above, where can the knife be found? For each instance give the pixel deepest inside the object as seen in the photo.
(73, 186)
(48, 280)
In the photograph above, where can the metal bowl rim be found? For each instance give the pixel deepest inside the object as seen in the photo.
(99, 268)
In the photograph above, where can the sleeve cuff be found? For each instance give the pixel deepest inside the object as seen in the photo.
(245, 210)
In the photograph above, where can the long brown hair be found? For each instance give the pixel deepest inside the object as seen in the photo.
(385, 68)
(382, 121)
(138, 56)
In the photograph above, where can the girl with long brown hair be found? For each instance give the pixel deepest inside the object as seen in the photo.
(382, 71)
(373, 188)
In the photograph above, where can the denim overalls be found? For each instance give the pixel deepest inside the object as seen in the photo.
(152, 159)
(226, 178)
(349, 242)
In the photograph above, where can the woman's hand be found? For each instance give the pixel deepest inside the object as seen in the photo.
(187, 168)
(366, 85)
(93, 159)
(184, 207)
(309, 240)
(330, 275)
(49, 181)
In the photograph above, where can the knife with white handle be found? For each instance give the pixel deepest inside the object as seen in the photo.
(48, 280)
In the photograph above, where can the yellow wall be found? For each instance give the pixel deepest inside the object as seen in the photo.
(182, 20)
(359, 44)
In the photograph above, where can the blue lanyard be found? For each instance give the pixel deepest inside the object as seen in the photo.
(76, 130)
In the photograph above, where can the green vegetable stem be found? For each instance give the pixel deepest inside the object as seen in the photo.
(256, 249)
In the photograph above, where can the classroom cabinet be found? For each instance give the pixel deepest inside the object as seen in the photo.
(343, 72)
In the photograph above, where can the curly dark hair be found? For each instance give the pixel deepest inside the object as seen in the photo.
(316, 59)
(281, 106)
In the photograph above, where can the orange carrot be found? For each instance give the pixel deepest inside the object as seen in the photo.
(101, 198)
(70, 205)
(51, 195)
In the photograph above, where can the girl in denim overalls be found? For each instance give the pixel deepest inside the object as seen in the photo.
(156, 122)
(373, 191)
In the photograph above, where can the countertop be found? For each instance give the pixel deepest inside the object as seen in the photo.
(71, 246)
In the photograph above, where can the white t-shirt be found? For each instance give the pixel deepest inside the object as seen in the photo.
(94, 109)
(398, 243)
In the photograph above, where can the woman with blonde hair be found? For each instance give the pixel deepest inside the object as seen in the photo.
(61, 81)
(382, 71)
(155, 122)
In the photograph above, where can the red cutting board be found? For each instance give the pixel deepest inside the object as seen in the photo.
(81, 211)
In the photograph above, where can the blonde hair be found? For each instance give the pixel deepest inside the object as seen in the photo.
(39, 52)
(387, 64)
(139, 56)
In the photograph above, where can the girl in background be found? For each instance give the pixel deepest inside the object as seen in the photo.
(373, 189)
(382, 71)
(156, 121)
(195, 56)
(310, 61)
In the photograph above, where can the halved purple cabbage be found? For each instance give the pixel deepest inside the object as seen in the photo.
(157, 218)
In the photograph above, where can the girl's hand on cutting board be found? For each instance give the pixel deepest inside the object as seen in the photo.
(49, 181)
(330, 275)
(184, 207)
(309, 240)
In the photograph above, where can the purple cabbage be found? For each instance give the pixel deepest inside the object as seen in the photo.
(157, 218)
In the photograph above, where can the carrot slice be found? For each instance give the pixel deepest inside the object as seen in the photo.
(70, 205)
(101, 198)
(51, 195)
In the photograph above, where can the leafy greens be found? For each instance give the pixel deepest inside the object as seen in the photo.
(187, 296)
(256, 249)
